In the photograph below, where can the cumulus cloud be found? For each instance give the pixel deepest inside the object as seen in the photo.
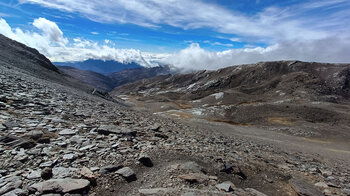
(50, 30)
(329, 49)
(50, 41)
(272, 23)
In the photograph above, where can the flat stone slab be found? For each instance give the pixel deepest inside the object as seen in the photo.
(67, 132)
(112, 129)
(65, 185)
(305, 189)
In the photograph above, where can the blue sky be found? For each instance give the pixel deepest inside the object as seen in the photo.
(181, 32)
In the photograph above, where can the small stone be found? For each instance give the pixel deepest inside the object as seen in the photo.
(2, 127)
(321, 185)
(46, 173)
(346, 191)
(145, 160)
(227, 168)
(155, 127)
(110, 168)
(87, 147)
(88, 174)
(69, 156)
(67, 132)
(226, 186)
(64, 172)
(127, 173)
(35, 134)
(34, 175)
(47, 164)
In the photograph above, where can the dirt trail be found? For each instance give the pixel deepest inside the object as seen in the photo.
(329, 150)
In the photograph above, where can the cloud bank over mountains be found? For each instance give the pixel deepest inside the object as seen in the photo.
(50, 40)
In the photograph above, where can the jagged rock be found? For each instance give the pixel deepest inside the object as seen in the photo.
(35, 134)
(15, 141)
(88, 174)
(12, 183)
(155, 127)
(16, 192)
(65, 185)
(226, 186)
(145, 160)
(67, 132)
(110, 168)
(69, 156)
(2, 127)
(127, 173)
(46, 173)
(227, 168)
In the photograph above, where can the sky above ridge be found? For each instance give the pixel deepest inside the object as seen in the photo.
(196, 34)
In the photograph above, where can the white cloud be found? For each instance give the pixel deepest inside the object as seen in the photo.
(50, 30)
(273, 23)
(323, 50)
(51, 42)
(217, 43)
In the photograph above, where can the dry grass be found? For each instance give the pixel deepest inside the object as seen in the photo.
(181, 114)
(180, 105)
(229, 122)
(280, 120)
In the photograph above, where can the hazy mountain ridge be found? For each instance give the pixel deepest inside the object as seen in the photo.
(108, 82)
(100, 66)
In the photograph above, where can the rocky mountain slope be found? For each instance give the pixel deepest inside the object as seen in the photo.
(20, 58)
(107, 82)
(293, 97)
(60, 140)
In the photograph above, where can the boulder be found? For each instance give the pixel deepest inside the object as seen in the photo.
(65, 185)
(127, 173)
(226, 186)
(145, 160)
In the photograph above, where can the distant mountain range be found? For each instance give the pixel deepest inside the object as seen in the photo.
(100, 66)
(108, 82)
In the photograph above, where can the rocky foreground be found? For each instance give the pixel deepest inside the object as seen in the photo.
(56, 140)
